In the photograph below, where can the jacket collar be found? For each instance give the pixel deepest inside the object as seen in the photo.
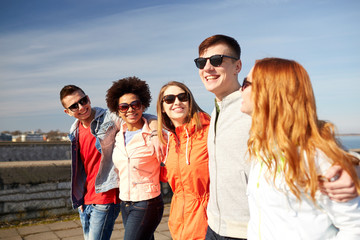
(98, 113)
(235, 96)
(191, 127)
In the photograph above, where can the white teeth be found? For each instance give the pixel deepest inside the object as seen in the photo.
(210, 77)
(177, 109)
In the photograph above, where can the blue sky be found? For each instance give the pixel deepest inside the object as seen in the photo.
(46, 44)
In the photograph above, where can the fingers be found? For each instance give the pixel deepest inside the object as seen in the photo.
(336, 188)
(342, 197)
(333, 172)
(342, 189)
(159, 148)
(81, 208)
(159, 154)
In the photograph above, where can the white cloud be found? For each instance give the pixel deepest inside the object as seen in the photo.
(159, 43)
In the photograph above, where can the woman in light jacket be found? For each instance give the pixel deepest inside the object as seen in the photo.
(186, 162)
(291, 150)
(135, 160)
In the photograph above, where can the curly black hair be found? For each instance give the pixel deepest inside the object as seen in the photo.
(124, 86)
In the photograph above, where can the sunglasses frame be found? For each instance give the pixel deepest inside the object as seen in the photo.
(245, 84)
(136, 105)
(183, 97)
(75, 106)
(212, 59)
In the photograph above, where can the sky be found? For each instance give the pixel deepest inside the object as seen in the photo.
(47, 44)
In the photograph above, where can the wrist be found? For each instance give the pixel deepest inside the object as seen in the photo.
(153, 133)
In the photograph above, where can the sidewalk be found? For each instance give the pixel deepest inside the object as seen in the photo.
(72, 230)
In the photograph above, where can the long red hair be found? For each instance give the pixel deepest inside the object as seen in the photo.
(285, 127)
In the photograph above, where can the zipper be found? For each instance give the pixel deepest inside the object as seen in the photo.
(142, 170)
(135, 183)
(178, 143)
(129, 172)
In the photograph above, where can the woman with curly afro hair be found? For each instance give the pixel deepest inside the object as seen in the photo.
(135, 159)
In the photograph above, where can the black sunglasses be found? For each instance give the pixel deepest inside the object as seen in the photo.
(169, 99)
(245, 84)
(136, 105)
(215, 60)
(83, 101)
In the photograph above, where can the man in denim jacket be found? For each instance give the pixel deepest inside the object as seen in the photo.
(94, 182)
(98, 211)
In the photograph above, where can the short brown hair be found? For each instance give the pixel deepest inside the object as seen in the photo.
(68, 90)
(218, 39)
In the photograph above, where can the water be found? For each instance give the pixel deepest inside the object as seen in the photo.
(350, 142)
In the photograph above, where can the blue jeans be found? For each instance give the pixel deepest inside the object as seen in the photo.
(211, 235)
(141, 219)
(98, 220)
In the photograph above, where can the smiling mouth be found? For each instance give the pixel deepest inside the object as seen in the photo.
(208, 78)
(84, 112)
(131, 115)
(178, 109)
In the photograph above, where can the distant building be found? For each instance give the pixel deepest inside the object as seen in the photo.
(65, 138)
(34, 137)
(4, 137)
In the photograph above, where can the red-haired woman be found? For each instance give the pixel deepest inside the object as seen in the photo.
(291, 149)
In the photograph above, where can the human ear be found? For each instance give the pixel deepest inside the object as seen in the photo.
(238, 66)
(68, 112)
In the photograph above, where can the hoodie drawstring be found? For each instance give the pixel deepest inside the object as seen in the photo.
(187, 145)
(167, 147)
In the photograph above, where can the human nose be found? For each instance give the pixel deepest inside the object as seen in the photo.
(131, 108)
(80, 106)
(208, 65)
(176, 101)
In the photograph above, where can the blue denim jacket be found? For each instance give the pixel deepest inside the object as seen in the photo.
(107, 178)
(104, 127)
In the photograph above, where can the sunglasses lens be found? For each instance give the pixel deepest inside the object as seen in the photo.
(74, 107)
(135, 105)
(123, 107)
(183, 97)
(169, 99)
(200, 62)
(245, 84)
(83, 101)
(216, 60)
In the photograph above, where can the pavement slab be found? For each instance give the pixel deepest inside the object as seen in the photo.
(72, 230)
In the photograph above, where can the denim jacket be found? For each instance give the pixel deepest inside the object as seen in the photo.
(107, 178)
(104, 127)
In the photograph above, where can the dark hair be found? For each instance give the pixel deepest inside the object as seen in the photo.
(163, 119)
(218, 39)
(124, 86)
(68, 90)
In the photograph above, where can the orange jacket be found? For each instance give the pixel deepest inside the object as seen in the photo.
(186, 170)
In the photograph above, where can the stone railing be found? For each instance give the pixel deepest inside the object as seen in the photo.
(38, 190)
(34, 189)
(34, 151)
